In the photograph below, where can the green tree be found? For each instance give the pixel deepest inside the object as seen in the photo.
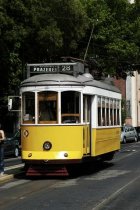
(33, 31)
(113, 44)
(38, 31)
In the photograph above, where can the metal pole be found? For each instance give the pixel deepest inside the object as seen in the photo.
(88, 42)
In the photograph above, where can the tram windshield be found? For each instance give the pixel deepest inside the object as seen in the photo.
(28, 107)
(47, 107)
(42, 107)
(70, 107)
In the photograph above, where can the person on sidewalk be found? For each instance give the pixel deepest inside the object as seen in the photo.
(2, 137)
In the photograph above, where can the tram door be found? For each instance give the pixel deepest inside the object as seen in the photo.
(87, 124)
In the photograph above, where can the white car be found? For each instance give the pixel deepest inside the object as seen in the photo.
(128, 133)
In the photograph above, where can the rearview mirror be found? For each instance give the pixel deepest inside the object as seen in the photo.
(14, 103)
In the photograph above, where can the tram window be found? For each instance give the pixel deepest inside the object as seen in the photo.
(47, 107)
(114, 116)
(111, 116)
(99, 116)
(99, 111)
(103, 111)
(86, 108)
(70, 107)
(107, 116)
(107, 111)
(118, 113)
(28, 107)
(111, 112)
(103, 116)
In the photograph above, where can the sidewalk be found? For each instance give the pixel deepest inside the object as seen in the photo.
(10, 172)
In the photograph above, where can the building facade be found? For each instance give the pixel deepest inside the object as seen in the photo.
(133, 99)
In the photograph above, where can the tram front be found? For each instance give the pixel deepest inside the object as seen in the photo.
(51, 127)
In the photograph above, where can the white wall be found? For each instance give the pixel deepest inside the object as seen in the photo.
(133, 94)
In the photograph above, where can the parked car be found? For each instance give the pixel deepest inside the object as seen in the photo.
(12, 146)
(128, 133)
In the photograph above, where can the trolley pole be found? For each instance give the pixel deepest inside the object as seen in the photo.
(88, 43)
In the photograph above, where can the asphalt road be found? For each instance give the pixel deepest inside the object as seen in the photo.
(12, 161)
(108, 186)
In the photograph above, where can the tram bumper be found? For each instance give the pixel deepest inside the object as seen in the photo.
(57, 167)
(51, 157)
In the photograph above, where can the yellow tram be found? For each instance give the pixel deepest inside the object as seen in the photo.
(67, 118)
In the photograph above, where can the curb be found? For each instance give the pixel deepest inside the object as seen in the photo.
(15, 170)
(6, 177)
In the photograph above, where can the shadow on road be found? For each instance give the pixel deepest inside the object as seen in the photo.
(75, 171)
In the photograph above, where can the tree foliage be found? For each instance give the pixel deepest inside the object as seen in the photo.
(34, 31)
(115, 41)
(38, 31)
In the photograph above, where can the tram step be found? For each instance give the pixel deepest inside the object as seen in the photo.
(50, 170)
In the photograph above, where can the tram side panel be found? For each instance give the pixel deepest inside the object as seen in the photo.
(105, 140)
(67, 142)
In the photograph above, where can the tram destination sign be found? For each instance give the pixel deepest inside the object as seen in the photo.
(52, 68)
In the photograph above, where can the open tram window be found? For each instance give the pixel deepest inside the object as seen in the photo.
(86, 108)
(70, 107)
(99, 111)
(107, 111)
(47, 107)
(103, 112)
(118, 112)
(115, 116)
(111, 112)
(28, 107)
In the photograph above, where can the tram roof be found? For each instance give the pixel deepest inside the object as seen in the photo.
(65, 80)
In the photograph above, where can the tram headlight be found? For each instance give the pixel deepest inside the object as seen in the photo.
(47, 145)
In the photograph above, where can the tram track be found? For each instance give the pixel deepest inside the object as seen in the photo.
(129, 149)
(104, 175)
(105, 203)
(117, 193)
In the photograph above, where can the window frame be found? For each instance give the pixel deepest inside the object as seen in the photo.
(108, 111)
